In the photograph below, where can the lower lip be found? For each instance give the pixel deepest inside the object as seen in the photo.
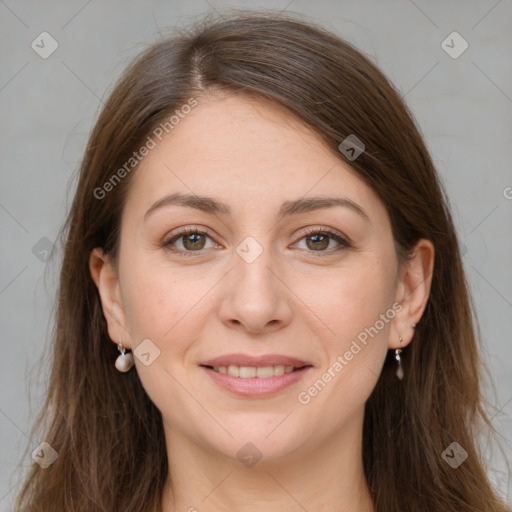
(255, 386)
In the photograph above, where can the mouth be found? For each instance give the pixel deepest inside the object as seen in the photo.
(256, 381)
(259, 372)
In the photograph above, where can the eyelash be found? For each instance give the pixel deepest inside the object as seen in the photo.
(344, 244)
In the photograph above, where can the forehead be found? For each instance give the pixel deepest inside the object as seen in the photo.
(251, 154)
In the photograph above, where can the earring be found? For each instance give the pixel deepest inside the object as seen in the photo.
(400, 370)
(124, 362)
(414, 326)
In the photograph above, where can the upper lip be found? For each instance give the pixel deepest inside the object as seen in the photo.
(264, 360)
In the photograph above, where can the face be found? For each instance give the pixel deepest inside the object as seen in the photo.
(263, 269)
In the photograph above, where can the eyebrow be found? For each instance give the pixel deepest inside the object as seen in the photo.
(213, 206)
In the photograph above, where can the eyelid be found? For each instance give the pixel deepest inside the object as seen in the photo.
(324, 229)
(176, 235)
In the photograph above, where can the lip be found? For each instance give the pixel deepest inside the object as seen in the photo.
(255, 386)
(247, 360)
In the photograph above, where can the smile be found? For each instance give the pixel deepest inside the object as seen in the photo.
(252, 381)
(248, 372)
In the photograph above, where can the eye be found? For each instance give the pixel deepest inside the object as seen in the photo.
(192, 240)
(318, 240)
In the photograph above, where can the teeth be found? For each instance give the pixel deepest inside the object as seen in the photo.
(234, 371)
(264, 372)
(248, 372)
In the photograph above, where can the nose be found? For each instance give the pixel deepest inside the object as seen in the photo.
(255, 296)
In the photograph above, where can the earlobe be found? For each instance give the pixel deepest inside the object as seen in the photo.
(413, 292)
(105, 277)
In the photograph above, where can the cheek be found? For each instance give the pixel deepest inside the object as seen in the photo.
(164, 304)
(358, 311)
(168, 311)
(353, 301)
(354, 358)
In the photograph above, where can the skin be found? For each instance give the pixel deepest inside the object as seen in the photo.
(293, 299)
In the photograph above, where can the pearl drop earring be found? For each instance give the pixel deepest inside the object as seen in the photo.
(124, 362)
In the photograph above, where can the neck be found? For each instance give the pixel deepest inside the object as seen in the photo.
(327, 477)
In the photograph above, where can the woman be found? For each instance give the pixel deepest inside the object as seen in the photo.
(262, 302)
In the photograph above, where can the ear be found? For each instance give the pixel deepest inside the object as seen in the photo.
(412, 292)
(105, 276)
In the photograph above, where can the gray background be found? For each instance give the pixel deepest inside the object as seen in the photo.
(48, 106)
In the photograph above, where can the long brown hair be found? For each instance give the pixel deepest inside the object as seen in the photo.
(107, 432)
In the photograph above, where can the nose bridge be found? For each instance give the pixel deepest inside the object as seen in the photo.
(255, 297)
(253, 262)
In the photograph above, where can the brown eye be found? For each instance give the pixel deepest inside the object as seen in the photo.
(318, 242)
(191, 240)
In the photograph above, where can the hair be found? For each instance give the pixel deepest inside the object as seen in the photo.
(107, 432)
